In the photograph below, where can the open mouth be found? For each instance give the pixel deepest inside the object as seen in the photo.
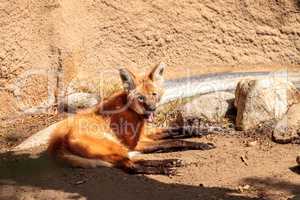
(149, 117)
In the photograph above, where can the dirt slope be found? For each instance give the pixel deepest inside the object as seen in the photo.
(82, 39)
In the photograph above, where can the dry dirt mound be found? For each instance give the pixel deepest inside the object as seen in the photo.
(81, 39)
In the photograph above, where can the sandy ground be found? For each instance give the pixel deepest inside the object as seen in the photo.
(84, 40)
(234, 170)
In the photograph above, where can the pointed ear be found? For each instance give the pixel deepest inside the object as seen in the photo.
(128, 79)
(156, 74)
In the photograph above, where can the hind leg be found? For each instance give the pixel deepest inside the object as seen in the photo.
(111, 152)
(163, 167)
(162, 163)
(78, 161)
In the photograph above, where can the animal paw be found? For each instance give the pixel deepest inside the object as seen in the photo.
(205, 146)
(172, 163)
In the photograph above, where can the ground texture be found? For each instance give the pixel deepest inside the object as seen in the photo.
(242, 167)
(60, 41)
(47, 46)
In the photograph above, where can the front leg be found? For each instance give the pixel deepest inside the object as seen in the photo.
(171, 145)
(176, 133)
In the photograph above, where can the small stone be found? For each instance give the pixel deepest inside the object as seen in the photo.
(80, 182)
(286, 129)
(252, 143)
(243, 188)
(298, 160)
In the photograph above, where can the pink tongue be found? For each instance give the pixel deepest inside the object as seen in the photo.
(151, 118)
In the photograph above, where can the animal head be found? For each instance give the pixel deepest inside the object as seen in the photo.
(144, 93)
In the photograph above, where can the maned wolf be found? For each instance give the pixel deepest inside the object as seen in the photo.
(114, 131)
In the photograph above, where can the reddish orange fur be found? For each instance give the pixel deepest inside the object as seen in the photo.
(97, 135)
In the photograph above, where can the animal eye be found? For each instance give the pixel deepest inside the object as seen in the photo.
(154, 93)
(141, 98)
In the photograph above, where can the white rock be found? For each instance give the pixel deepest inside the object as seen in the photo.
(79, 100)
(259, 100)
(40, 138)
(212, 107)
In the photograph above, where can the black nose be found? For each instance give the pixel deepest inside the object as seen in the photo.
(150, 108)
(153, 108)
